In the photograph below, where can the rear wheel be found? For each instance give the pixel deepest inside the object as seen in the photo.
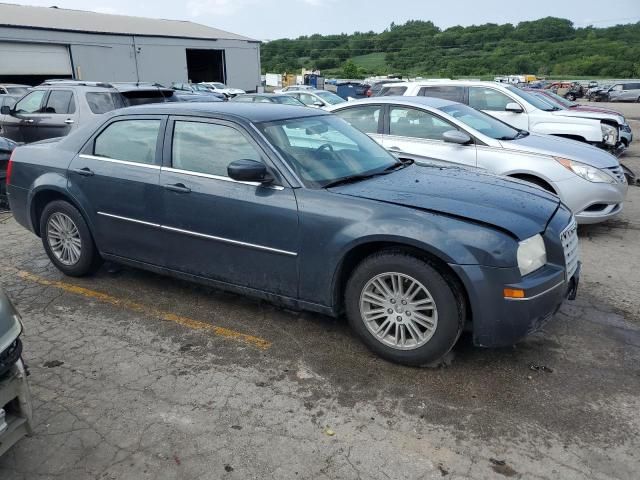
(403, 308)
(67, 239)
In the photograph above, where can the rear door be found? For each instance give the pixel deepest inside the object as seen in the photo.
(419, 132)
(21, 126)
(58, 115)
(116, 175)
(494, 102)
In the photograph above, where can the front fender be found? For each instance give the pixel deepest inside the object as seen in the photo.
(591, 131)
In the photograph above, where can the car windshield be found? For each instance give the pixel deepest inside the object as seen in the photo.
(218, 85)
(325, 149)
(555, 98)
(331, 98)
(17, 90)
(533, 100)
(483, 123)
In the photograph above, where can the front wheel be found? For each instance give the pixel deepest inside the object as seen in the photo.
(67, 239)
(403, 308)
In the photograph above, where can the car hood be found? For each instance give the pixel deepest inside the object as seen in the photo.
(562, 147)
(521, 209)
(594, 115)
(590, 108)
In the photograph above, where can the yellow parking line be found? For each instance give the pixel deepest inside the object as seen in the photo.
(227, 333)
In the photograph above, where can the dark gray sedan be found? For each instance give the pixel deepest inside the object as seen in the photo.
(296, 206)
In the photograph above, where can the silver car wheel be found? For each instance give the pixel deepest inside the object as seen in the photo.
(64, 239)
(398, 310)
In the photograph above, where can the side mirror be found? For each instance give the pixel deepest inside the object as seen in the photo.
(5, 110)
(456, 136)
(318, 103)
(513, 107)
(248, 171)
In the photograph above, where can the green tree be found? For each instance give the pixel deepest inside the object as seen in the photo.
(350, 70)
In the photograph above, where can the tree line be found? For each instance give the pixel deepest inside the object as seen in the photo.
(546, 47)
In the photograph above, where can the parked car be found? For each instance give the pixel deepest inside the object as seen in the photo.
(586, 111)
(9, 101)
(14, 89)
(218, 87)
(317, 98)
(56, 108)
(295, 88)
(598, 93)
(16, 414)
(588, 180)
(624, 92)
(198, 89)
(268, 98)
(185, 96)
(310, 213)
(376, 87)
(6, 148)
(516, 107)
(569, 90)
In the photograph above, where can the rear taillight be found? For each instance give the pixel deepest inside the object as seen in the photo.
(10, 168)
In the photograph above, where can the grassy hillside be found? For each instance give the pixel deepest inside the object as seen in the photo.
(549, 46)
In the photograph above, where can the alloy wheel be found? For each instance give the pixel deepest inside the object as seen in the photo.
(64, 239)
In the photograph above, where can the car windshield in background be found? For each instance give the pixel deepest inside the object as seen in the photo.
(533, 100)
(288, 100)
(143, 97)
(326, 149)
(218, 85)
(392, 91)
(103, 102)
(16, 90)
(330, 98)
(483, 123)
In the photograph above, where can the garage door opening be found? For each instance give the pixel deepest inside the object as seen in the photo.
(32, 63)
(205, 65)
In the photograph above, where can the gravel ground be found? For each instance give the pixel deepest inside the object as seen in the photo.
(139, 376)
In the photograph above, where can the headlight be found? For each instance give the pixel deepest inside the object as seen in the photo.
(532, 254)
(587, 172)
(609, 134)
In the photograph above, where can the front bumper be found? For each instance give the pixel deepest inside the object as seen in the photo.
(498, 321)
(626, 135)
(15, 401)
(592, 202)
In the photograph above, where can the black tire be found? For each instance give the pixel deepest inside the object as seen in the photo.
(571, 97)
(450, 307)
(89, 260)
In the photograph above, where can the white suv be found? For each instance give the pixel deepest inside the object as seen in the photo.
(514, 106)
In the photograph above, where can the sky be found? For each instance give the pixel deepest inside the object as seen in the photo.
(273, 19)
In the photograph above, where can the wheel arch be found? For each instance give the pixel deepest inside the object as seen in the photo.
(44, 195)
(352, 258)
(534, 179)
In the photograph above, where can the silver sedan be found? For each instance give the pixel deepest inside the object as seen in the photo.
(588, 180)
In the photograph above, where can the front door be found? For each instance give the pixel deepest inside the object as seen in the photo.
(240, 233)
(366, 118)
(494, 103)
(22, 124)
(58, 115)
(419, 132)
(117, 175)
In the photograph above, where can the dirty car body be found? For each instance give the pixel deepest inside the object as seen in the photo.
(15, 399)
(296, 206)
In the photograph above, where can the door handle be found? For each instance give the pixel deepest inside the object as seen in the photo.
(85, 172)
(69, 121)
(178, 188)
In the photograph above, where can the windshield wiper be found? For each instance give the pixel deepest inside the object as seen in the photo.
(356, 178)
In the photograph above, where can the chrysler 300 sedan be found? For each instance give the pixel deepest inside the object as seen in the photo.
(296, 206)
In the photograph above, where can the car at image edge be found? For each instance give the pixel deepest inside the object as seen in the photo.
(296, 206)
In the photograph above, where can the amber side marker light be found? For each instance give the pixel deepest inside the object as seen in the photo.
(513, 293)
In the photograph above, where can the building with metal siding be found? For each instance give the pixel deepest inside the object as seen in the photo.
(37, 43)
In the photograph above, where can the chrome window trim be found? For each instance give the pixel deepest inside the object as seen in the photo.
(219, 177)
(121, 162)
(537, 295)
(200, 235)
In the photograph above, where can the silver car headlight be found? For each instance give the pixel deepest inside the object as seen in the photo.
(592, 174)
(532, 254)
(609, 134)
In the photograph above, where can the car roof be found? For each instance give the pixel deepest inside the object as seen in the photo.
(14, 85)
(432, 102)
(251, 112)
(446, 82)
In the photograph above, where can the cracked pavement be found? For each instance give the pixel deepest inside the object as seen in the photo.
(135, 393)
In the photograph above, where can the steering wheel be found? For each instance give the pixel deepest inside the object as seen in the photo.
(324, 146)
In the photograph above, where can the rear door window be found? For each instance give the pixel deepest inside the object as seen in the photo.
(410, 122)
(482, 98)
(366, 118)
(129, 140)
(60, 102)
(453, 93)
